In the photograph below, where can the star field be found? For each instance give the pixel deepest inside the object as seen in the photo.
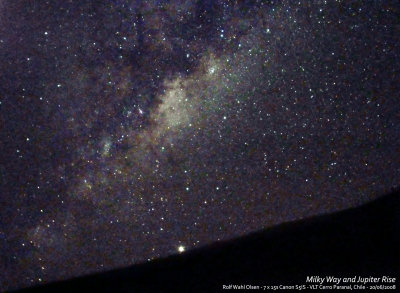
(133, 130)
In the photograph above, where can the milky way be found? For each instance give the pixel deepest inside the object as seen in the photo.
(133, 130)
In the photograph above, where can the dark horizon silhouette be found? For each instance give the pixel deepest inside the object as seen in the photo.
(361, 242)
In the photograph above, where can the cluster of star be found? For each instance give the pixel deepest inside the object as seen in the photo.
(133, 130)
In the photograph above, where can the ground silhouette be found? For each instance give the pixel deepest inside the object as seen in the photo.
(362, 241)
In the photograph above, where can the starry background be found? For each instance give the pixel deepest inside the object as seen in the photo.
(132, 130)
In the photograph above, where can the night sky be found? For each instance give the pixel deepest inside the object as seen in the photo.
(132, 130)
